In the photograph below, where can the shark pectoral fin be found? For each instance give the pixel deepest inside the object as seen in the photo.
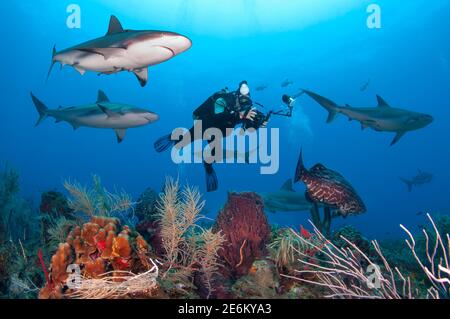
(102, 98)
(398, 137)
(142, 76)
(382, 102)
(114, 26)
(75, 126)
(120, 135)
(108, 112)
(79, 69)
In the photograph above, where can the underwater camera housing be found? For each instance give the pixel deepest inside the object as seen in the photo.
(259, 119)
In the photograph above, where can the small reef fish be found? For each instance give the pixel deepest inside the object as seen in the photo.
(286, 199)
(420, 179)
(329, 188)
(365, 86)
(383, 118)
(261, 88)
(123, 50)
(101, 114)
(286, 83)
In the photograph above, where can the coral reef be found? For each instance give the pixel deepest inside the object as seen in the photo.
(55, 204)
(190, 259)
(100, 248)
(348, 272)
(19, 235)
(246, 231)
(146, 209)
(350, 233)
(64, 250)
(261, 282)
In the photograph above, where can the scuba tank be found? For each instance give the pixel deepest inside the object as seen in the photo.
(206, 109)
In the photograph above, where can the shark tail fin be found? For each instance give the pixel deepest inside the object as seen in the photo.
(41, 108)
(53, 62)
(330, 106)
(300, 168)
(408, 183)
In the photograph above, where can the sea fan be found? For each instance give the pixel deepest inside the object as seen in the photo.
(97, 201)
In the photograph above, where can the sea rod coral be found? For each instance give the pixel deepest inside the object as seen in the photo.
(348, 272)
(436, 268)
(189, 250)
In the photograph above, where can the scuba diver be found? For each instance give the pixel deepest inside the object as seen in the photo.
(223, 110)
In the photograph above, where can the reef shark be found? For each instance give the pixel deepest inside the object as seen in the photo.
(420, 179)
(123, 50)
(101, 114)
(383, 118)
(286, 199)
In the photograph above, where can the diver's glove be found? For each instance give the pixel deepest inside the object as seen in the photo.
(163, 143)
(212, 183)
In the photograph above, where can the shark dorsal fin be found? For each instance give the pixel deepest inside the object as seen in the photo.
(382, 102)
(287, 186)
(114, 26)
(102, 97)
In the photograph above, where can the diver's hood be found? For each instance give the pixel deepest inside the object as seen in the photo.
(244, 89)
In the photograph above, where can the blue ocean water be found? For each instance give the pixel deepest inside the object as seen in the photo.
(324, 46)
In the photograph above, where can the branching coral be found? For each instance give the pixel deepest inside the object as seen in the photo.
(341, 272)
(436, 268)
(57, 231)
(190, 253)
(178, 214)
(208, 258)
(97, 201)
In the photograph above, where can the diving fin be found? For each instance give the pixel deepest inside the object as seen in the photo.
(163, 143)
(212, 183)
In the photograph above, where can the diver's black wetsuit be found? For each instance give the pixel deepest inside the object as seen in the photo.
(229, 117)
